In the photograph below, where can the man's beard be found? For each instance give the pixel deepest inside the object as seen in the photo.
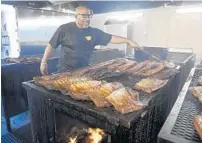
(84, 24)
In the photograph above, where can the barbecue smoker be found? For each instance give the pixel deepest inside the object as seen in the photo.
(58, 118)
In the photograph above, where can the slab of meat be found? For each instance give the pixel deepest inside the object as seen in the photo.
(169, 64)
(147, 67)
(45, 83)
(61, 84)
(154, 68)
(81, 72)
(52, 76)
(149, 85)
(197, 121)
(137, 67)
(103, 64)
(200, 80)
(22, 59)
(126, 66)
(77, 90)
(98, 94)
(48, 80)
(125, 100)
(117, 64)
(197, 92)
(165, 74)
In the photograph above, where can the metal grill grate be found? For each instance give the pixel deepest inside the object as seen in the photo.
(191, 107)
(9, 138)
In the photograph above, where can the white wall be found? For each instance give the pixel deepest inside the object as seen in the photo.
(11, 31)
(40, 30)
(163, 27)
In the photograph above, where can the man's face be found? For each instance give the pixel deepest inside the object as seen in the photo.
(83, 17)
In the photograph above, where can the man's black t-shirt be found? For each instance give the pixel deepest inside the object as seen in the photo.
(77, 44)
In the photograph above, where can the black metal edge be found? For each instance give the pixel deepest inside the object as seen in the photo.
(26, 63)
(200, 61)
(198, 66)
(192, 56)
(165, 132)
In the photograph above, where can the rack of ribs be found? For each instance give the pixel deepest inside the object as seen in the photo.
(125, 100)
(149, 85)
(77, 90)
(197, 92)
(98, 94)
(150, 69)
(137, 67)
(197, 121)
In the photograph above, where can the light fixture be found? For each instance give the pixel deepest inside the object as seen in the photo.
(125, 16)
(194, 9)
(68, 11)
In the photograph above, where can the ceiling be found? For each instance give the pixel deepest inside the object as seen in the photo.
(97, 6)
(33, 4)
(111, 6)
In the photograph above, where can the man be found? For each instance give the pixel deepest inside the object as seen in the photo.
(77, 42)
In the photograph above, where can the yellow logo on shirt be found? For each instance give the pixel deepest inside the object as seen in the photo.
(88, 38)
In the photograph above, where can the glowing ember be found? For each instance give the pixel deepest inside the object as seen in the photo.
(73, 140)
(95, 135)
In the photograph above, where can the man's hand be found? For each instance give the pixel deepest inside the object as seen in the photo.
(44, 68)
(134, 45)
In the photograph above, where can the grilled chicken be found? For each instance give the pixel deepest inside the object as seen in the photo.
(125, 100)
(197, 121)
(197, 92)
(98, 94)
(149, 85)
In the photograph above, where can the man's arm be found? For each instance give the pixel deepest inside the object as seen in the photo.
(120, 40)
(53, 43)
(48, 52)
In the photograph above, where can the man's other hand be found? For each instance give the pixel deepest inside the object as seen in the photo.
(44, 68)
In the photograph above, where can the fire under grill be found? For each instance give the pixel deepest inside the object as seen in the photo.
(76, 131)
(57, 117)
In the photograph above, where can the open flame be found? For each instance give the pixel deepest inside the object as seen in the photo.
(73, 140)
(93, 135)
